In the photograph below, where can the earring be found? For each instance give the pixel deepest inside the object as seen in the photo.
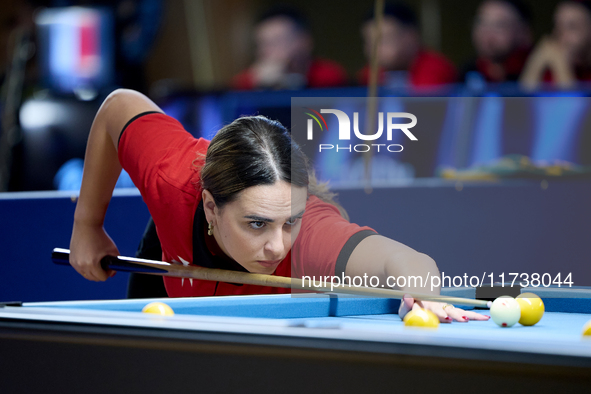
(210, 229)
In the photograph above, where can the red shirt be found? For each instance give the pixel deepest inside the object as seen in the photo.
(321, 74)
(162, 160)
(510, 69)
(428, 69)
(582, 74)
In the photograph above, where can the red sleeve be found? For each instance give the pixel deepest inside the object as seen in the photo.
(325, 241)
(162, 159)
(326, 73)
(363, 76)
(430, 69)
(548, 77)
(155, 144)
(243, 81)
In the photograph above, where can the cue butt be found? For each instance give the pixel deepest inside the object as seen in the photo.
(62, 257)
(130, 264)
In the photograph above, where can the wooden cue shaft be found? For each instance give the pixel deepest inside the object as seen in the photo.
(218, 275)
(296, 283)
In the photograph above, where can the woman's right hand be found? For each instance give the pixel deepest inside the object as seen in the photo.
(89, 244)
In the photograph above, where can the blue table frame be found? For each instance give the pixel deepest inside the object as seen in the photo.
(229, 343)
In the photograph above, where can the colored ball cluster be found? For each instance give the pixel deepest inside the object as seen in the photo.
(421, 318)
(158, 308)
(527, 309)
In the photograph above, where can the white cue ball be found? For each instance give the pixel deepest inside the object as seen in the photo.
(505, 311)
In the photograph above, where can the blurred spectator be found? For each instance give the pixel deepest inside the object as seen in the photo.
(502, 38)
(284, 57)
(402, 59)
(564, 57)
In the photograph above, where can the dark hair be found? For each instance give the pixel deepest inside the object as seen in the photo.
(522, 9)
(584, 3)
(253, 151)
(399, 11)
(284, 11)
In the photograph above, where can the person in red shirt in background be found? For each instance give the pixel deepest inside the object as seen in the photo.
(402, 58)
(502, 39)
(565, 57)
(284, 57)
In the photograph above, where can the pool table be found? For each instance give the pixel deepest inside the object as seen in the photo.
(280, 343)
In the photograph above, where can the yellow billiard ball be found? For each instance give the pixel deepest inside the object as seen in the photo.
(532, 308)
(158, 308)
(587, 329)
(421, 318)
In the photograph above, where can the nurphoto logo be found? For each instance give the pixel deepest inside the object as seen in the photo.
(344, 131)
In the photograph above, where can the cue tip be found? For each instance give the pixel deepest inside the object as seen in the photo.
(489, 304)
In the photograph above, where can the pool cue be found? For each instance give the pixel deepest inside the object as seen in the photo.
(371, 111)
(130, 264)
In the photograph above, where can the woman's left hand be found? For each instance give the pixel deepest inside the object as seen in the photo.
(445, 312)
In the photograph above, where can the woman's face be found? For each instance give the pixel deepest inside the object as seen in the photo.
(498, 31)
(397, 47)
(258, 228)
(279, 40)
(572, 27)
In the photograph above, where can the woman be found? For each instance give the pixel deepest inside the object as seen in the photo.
(564, 58)
(242, 202)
